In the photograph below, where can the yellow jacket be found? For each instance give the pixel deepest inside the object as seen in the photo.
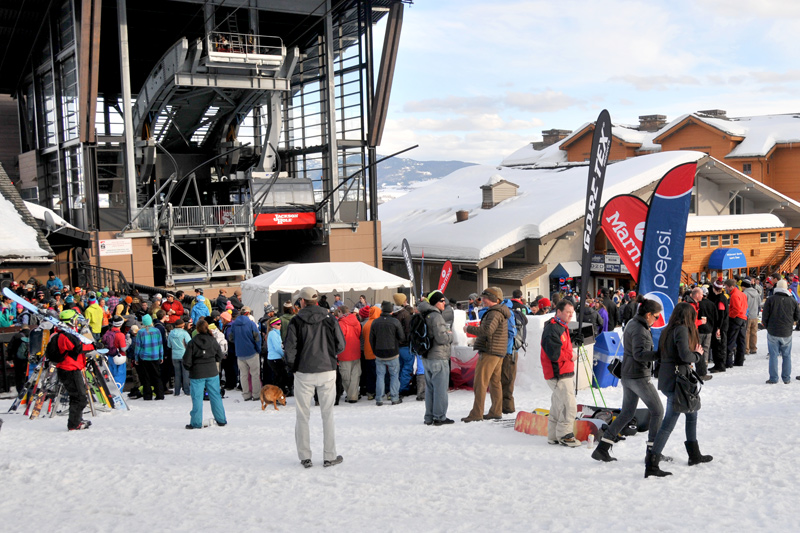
(94, 314)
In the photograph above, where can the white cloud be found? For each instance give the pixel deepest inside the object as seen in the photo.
(482, 122)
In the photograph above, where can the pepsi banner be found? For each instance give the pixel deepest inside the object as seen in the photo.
(598, 159)
(664, 236)
(623, 222)
(444, 277)
(409, 266)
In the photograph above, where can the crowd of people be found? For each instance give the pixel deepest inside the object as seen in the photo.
(324, 351)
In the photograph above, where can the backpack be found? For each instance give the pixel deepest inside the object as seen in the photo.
(521, 332)
(419, 340)
(54, 355)
(108, 341)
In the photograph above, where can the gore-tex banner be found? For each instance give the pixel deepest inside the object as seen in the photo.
(623, 223)
(444, 277)
(406, 249)
(278, 221)
(664, 236)
(598, 158)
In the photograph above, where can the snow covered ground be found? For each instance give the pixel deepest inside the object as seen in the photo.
(141, 471)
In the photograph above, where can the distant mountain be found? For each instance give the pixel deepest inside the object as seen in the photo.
(398, 175)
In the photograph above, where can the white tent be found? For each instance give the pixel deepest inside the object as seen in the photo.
(324, 277)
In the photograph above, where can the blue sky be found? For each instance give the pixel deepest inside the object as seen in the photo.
(477, 80)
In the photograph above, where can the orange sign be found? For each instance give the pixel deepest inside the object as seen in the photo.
(281, 221)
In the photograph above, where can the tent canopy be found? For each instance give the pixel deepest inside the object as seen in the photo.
(568, 269)
(725, 258)
(324, 277)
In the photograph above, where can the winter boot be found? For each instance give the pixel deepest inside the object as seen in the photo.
(651, 468)
(695, 457)
(601, 452)
(420, 387)
(662, 457)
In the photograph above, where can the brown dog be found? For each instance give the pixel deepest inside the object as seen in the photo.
(271, 393)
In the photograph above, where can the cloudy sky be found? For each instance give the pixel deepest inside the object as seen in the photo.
(476, 80)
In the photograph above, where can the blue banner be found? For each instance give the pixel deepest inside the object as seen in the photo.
(664, 236)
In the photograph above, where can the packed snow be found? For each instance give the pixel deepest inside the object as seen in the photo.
(733, 222)
(142, 471)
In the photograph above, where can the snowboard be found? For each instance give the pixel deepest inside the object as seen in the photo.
(109, 385)
(535, 423)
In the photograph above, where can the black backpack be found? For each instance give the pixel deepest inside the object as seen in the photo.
(54, 355)
(419, 340)
(521, 337)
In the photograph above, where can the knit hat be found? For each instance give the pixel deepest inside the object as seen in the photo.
(274, 321)
(435, 297)
(225, 317)
(118, 321)
(473, 296)
(308, 294)
(229, 305)
(363, 312)
(782, 285)
(147, 320)
(632, 294)
(718, 284)
(746, 282)
(399, 298)
(135, 329)
(70, 299)
(386, 307)
(545, 302)
(268, 308)
(51, 273)
(494, 292)
(198, 290)
(128, 299)
(157, 297)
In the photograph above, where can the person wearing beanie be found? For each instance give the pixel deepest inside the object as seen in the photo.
(54, 283)
(363, 314)
(474, 305)
(491, 342)
(149, 354)
(199, 309)
(177, 340)
(117, 345)
(94, 314)
(403, 313)
(437, 363)
(385, 337)
(779, 315)
(202, 360)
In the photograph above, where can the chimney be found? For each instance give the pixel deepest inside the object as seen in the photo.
(652, 122)
(462, 215)
(550, 137)
(496, 190)
(714, 113)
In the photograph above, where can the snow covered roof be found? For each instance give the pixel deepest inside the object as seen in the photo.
(20, 237)
(528, 155)
(547, 199)
(760, 134)
(733, 222)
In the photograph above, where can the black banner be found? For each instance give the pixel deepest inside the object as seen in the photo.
(409, 266)
(598, 159)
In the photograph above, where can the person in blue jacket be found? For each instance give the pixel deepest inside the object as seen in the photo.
(247, 339)
(275, 355)
(54, 283)
(200, 310)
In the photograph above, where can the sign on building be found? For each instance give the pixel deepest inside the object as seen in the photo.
(116, 247)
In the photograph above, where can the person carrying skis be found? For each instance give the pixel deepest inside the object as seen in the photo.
(70, 370)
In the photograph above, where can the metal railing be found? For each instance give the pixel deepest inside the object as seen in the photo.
(210, 216)
(87, 276)
(223, 42)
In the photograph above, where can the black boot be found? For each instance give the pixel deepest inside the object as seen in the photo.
(695, 457)
(661, 457)
(651, 465)
(601, 452)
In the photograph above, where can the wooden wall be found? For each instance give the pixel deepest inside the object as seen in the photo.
(702, 138)
(785, 171)
(582, 148)
(695, 258)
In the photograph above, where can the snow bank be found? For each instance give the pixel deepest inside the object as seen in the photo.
(17, 239)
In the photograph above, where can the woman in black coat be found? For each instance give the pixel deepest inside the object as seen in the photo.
(677, 356)
(201, 359)
(637, 361)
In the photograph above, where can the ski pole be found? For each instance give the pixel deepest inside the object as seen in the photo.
(582, 353)
(594, 380)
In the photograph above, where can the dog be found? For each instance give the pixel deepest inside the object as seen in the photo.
(273, 394)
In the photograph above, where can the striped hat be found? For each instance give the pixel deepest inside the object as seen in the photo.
(274, 322)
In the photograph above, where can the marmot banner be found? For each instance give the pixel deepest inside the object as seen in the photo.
(598, 158)
(444, 277)
(406, 249)
(623, 222)
(664, 236)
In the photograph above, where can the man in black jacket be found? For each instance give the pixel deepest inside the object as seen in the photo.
(611, 309)
(403, 313)
(779, 315)
(385, 336)
(705, 327)
(312, 343)
(719, 337)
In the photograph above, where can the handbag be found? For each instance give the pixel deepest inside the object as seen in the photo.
(616, 368)
(687, 390)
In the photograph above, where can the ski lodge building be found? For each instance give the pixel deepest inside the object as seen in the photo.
(192, 143)
(518, 225)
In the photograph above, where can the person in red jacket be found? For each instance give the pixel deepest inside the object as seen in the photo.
(350, 358)
(172, 308)
(558, 365)
(737, 322)
(70, 370)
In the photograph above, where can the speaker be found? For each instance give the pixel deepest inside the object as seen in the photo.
(5, 279)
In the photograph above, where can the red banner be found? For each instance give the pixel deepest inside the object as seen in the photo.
(444, 277)
(623, 223)
(281, 221)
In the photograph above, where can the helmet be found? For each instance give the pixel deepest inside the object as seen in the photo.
(120, 359)
(69, 316)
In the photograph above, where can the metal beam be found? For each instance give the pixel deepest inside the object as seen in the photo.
(391, 43)
(127, 115)
(231, 82)
(329, 92)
